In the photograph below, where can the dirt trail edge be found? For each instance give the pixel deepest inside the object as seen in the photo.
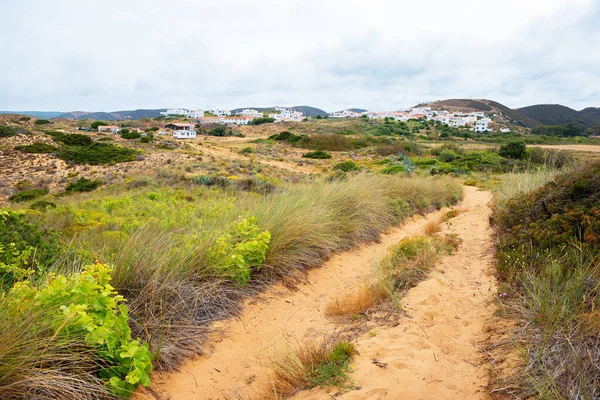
(432, 354)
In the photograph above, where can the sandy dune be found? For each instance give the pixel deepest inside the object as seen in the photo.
(431, 354)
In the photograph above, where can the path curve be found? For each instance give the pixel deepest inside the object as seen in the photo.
(431, 354)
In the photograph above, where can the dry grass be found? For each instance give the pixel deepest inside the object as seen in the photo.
(356, 302)
(433, 227)
(309, 364)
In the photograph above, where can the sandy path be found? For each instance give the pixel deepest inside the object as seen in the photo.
(429, 355)
(590, 148)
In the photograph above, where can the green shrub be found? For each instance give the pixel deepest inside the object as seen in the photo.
(515, 149)
(36, 148)
(146, 139)
(448, 155)
(96, 154)
(42, 205)
(96, 124)
(87, 305)
(328, 142)
(320, 155)
(106, 139)
(287, 137)
(260, 121)
(393, 169)
(28, 195)
(246, 150)
(17, 230)
(83, 185)
(42, 122)
(7, 131)
(127, 134)
(347, 166)
(223, 131)
(239, 253)
(74, 139)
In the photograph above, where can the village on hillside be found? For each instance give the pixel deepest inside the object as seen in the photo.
(476, 121)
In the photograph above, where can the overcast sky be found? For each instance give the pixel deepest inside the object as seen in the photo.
(381, 55)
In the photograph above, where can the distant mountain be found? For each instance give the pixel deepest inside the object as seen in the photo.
(36, 114)
(556, 114)
(358, 110)
(114, 115)
(306, 110)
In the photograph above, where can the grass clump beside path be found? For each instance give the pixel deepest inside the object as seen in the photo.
(549, 265)
(309, 365)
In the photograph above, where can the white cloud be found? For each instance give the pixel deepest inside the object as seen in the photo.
(109, 55)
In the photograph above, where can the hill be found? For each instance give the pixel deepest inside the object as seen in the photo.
(556, 114)
(114, 115)
(306, 110)
(36, 114)
(502, 112)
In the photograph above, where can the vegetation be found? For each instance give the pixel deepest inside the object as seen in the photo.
(516, 150)
(96, 124)
(42, 122)
(28, 195)
(223, 131)
(96, 154)
(309, 365)
(346, 166)
(318, 154)
(260, 121)
(83, 185)
(548, 263)
(127, 134)
(36, 148)
(7, 131)
(566, 130)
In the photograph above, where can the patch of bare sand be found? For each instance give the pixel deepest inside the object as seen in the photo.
(431, 354)
(590, 148)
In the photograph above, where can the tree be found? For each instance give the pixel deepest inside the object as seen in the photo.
(96, 124)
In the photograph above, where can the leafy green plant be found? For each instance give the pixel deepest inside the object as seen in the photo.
(239, 253)
(286, 136)
(73, 139)
(318, 154)
(90, 305)
(36, 148)
(260, 121)
(13, 264)
(28, 195)
(42, 122)
(83, 185)
(42, 205)
(514, 149)
(96, 124)
(129, 135)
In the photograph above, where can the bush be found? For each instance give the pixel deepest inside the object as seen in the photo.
(96, 124)
(96, 154)
(347, 166)
(36, 148)
(83, 185)
(393, 169)
(17, 230)
(42, 122)
(28, 195)
(448, 155)
(73, 139)
(287, 137)
(146, 139)
(320, 155)
(246, 150)
(516, 150)
(260, 121)
(223, 131)
(42, 205)
(7, 131)
(127, 134)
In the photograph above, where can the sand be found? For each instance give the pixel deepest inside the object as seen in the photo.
(432, 354)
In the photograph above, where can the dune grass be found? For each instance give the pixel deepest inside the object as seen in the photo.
(549, 266)
(162, 243)
(310, 364)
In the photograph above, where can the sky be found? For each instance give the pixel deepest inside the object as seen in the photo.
(65, 55)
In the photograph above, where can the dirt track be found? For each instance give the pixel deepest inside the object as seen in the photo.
(432, 354)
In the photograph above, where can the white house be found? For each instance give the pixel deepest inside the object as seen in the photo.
(237, 119)
(249, 112)
(109, 128)
(175, 111)
(482, 125)
(287, 114)
(182, 131)
(195, 113)
(220, 112)
(505, 130)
